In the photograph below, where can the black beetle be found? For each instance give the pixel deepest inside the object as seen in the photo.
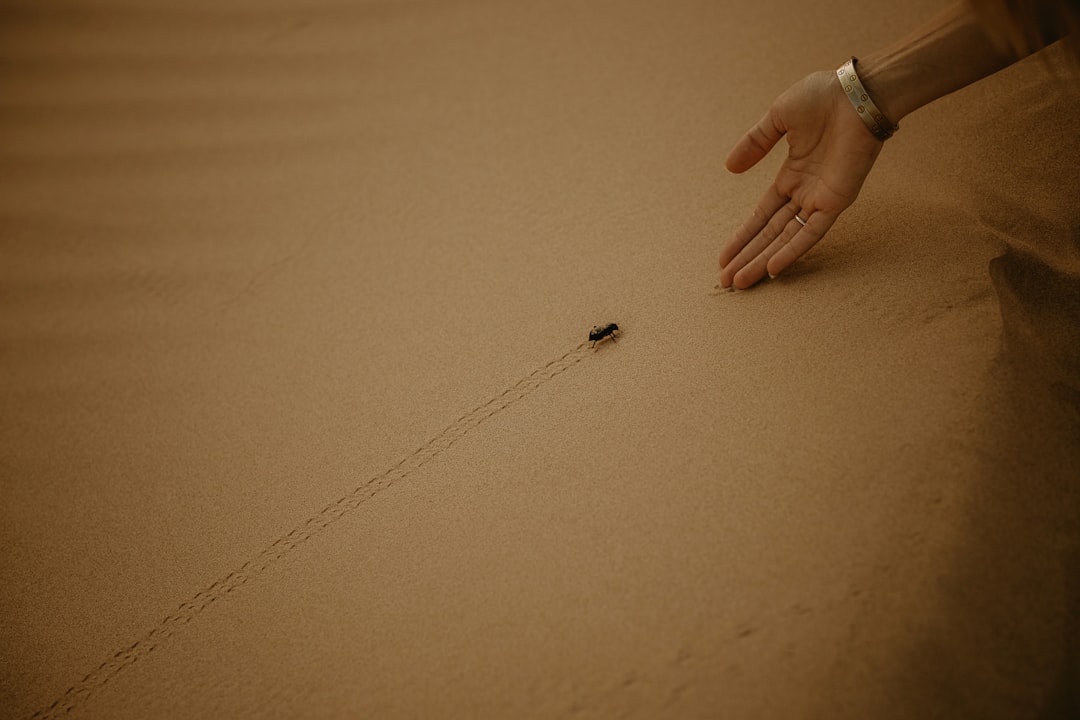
(598, 333)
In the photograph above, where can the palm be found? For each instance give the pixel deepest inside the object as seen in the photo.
(830, 153)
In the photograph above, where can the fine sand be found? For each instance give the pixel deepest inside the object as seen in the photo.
(296, 419)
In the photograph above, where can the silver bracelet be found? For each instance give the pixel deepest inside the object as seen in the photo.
(875, 120)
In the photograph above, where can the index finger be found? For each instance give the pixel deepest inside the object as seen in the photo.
(768, 206)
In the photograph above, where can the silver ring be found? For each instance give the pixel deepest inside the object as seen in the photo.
(801, 221)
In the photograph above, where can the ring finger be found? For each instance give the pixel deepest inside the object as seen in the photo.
(749, 265)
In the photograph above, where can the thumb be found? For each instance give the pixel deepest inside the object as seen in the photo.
(756, 143)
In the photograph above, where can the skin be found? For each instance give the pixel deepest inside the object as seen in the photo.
(831, 151)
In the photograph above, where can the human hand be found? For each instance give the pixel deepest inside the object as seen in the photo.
(830, 153)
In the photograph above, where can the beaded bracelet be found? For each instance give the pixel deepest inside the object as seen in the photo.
(875, 120)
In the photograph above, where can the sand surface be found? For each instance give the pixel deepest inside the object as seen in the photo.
(295, 419)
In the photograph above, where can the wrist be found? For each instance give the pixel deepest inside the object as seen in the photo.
(876, 120)
(886, 83)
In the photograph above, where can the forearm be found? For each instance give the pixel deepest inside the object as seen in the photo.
(949, 52)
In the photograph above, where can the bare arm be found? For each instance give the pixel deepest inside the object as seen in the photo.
(946, 54)
(830, 150)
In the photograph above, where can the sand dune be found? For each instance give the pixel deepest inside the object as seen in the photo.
(299, 420)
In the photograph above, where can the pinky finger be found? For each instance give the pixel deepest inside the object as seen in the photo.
(808, 235)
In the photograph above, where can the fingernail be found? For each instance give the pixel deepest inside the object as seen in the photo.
(771, 276)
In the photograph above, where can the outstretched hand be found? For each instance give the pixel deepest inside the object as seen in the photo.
(830, 153)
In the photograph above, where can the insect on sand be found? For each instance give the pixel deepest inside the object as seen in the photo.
(599, 332)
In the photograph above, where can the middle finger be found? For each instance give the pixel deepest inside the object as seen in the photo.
(749, 264)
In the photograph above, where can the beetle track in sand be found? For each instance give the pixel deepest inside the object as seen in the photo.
(304, 531)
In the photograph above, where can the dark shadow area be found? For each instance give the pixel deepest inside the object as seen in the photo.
(1001, 636)
(1039, 486)
(1000, 633)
